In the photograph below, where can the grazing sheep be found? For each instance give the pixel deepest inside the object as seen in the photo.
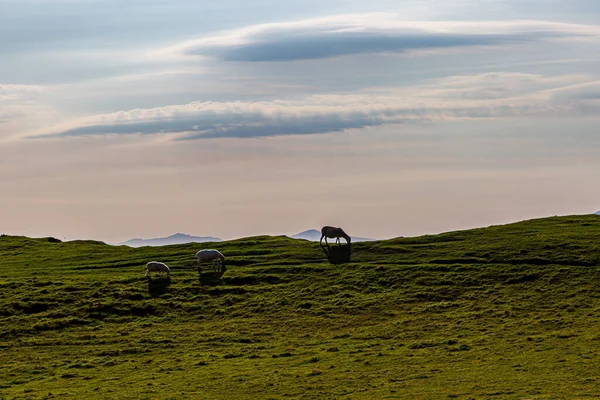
(218, 259)
(156, 266)
(333, 233)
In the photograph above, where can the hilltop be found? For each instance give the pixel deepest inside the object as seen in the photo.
(507, 312)
(315, 235)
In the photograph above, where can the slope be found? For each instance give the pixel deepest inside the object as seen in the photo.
(506, 311)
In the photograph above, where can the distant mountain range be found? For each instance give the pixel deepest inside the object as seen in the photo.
(315, 235)
(178, 238)
(181, 238)
(597, 213)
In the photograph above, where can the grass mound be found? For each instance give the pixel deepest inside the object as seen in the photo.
(505, 312)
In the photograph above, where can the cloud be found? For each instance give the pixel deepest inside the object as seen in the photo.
(493, 95)
(367, 33)
(584, 98)
(18, 101)
(578, 91)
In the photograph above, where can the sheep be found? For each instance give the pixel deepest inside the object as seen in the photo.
(211, 255)
(156, 266)
(334, 233)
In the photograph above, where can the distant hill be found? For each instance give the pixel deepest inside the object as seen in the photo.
(597, 213)
(315, 235)
(178, 238)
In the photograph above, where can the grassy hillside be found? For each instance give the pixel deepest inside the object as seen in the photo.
(504, 312)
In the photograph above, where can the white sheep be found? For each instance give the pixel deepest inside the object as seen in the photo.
(156, 266)
(218, 259)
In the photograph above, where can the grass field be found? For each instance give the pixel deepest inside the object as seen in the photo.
(505, 312)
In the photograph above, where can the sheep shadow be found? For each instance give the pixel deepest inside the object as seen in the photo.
(210, 278)
(338, 254)
(158, 286)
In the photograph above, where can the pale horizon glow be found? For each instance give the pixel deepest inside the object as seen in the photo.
(388, 118)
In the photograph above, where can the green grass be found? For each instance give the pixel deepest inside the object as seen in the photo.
(505, 312)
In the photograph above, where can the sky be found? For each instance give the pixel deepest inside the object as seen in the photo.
(123, 119)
